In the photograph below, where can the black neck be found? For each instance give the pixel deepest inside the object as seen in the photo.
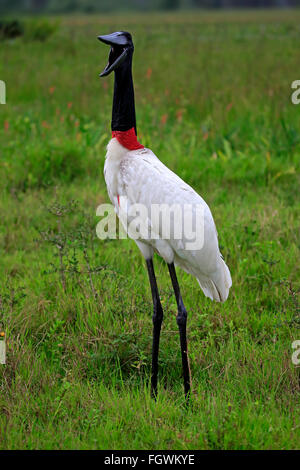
(123, 112)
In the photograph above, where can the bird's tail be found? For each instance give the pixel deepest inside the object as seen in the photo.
(218, 287)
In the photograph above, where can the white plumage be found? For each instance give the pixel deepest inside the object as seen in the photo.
(140, 177)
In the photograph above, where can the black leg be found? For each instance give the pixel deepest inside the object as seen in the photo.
(157, 321)
(181, 322)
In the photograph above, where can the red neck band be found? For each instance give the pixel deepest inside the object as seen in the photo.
(127, 139)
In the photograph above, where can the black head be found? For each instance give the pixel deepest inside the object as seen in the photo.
(121, 48)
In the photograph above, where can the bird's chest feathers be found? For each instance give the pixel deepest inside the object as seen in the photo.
(113, 170)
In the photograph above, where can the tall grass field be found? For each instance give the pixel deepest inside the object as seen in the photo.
(213, 99)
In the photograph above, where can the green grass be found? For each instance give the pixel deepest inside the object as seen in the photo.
(213, 102)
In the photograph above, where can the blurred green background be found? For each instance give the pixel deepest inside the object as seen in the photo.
(91, 6)
(213, 98)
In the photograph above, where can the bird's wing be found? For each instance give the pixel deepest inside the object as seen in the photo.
(145, 180)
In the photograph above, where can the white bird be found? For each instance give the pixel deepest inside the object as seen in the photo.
(134, 175)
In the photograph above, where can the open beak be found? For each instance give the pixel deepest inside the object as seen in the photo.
(119, 47)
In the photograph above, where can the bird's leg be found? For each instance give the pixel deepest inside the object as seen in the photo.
(181, 322)
(157, 321)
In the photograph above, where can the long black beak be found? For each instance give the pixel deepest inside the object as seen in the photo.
(120, 44)
(114, 39)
